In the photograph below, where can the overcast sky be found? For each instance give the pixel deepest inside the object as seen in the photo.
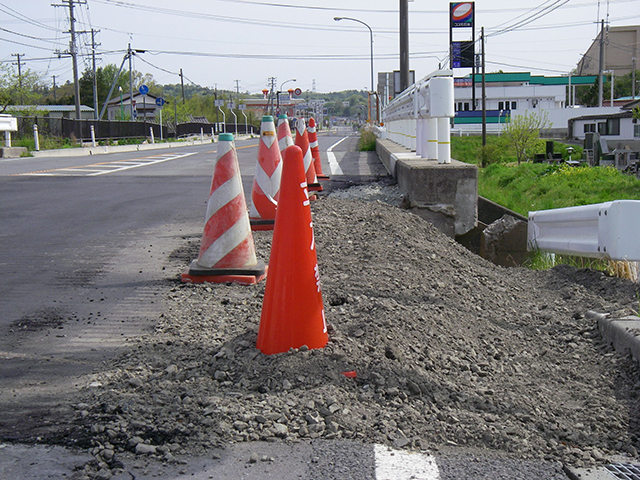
(217, 42)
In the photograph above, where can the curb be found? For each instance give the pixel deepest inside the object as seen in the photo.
(101, 150)
(623, 333)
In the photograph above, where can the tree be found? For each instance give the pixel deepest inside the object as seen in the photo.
(523, 131)
(26, 89)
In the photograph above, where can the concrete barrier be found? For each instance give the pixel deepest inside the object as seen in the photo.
(444, 194)
(12, 152)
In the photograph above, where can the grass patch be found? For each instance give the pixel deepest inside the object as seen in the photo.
(529, 187)
(498, 150)
(367, 142)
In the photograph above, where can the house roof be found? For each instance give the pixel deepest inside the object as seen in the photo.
(604, 116)
(125, 98)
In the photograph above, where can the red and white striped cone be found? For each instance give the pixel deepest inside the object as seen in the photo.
(266, 182)
(285, 139)
(315, 149)
(302, 140)
(227, 252)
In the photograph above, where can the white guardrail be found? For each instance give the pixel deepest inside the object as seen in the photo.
(419, 118)
(605, 230)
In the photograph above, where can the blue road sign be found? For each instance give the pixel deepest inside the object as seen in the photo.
(143, 89)
(160, 101)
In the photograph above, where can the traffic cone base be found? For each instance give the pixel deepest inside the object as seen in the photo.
(258, 224)
(242, 276)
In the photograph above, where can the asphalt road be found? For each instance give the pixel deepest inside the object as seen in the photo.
(85, 249)
(85, 256)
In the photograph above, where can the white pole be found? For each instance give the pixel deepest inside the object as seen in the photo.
(153, 140)
(419, 122)
(201, 135)
(160, 123)
(35, 137)
(93, 136)
(432, 138)
(7, 139)
(612, 88)
(444, 140)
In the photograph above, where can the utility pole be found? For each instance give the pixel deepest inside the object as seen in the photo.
(404, 45)
(95, 78)
(54, 89)
(182, 83)
(215, 98)
(272, 85)
(19, 63)
(601, 66)
(130, 84)
(237, 92)
(72, 47)
(633, 78)
(484, 94)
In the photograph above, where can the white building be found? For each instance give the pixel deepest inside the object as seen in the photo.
(510, 94)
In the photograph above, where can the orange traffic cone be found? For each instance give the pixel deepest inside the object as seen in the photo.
(266, 182)
(292, 310)
(315, 150)
(285, 139)
(227, 253)
(302, 140)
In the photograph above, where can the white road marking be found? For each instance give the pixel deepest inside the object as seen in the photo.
(161, 159)
(334, 166)
(106, 167)
(394, 464)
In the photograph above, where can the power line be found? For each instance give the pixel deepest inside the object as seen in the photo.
(15, 14)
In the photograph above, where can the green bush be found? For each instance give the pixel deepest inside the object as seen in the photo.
(367, 142)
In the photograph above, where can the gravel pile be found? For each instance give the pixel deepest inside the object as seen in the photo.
(443, 349)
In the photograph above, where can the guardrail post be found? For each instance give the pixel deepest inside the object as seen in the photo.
(7, 139)
(93, 136)
(432, 138)
(201, 135)
(36, 138)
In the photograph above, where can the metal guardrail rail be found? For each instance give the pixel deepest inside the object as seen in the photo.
(608, 230)
(419, 118)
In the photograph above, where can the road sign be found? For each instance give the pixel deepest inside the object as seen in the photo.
(298, 92)
(218, 103)
(160, 101)
(242, 106)
(143, 89)
(231, 105)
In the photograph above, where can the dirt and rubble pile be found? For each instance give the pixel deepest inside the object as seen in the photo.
(447, 349)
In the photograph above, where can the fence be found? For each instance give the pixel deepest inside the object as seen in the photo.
(419, 119)
(110, 129)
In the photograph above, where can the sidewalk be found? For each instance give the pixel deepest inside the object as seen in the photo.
(104, 149)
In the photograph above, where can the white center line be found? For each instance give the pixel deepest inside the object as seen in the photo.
(334, 166)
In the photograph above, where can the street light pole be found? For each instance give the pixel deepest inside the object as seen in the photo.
(280, 91)
(337, 19)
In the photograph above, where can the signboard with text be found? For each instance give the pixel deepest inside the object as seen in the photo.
(462, 14)
(462, 54)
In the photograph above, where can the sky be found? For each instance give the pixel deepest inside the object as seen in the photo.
(243, 43)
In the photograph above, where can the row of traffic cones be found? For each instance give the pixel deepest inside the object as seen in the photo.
(292, 312)
(266, 183)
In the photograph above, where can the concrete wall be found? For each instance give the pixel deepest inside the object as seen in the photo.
(444, 194)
